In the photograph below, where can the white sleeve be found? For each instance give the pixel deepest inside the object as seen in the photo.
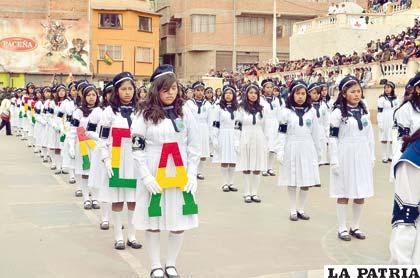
(316, 134)
(238, 126)
(216, 124)
(104, 143)
(379, 115)
(403, 235)
(371, 140)
(404, 117)
(280, 140)
(335, 122)
(138, 137)
(193, 143)
(72, 134)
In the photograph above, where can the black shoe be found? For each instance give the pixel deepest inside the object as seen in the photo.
(225, 188)
(302, 216)
(171, 276)
(248, 199)
(389, 159)
(119, 245)
(78, 193)
(73, 181)
(58, 172)
(152, 273)
(233, 188)
(95, 204)
(357, 233)
(344, 235)
(256, 199)
(265, 174)
(200, 176)
(104, 225)
(293, 217)
(271, 172)
(384, 160)
(65, 172)
(87, 204)
(134, 244)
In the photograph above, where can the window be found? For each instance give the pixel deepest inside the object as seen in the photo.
(286, 27)
(201, 23)
(251, 25)
(110, 21)
(144, 55)
(115, 51)
(172, 29)
(145, 24)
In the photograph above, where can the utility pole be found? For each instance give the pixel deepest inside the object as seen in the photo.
(274, 31)
(234, 37)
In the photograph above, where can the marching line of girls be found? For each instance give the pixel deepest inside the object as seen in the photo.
(121, 150)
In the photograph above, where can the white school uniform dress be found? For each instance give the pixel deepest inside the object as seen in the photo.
(108, 194)
(79, 120)
(323, 114)
(251, 141)
(405, 237)
(386, 108)
(223, 133)
(39, 127)
(299, 144)
(354, 151)
(53, 141)
(203, 118)
(68, 108)
(97, 172)
(47, 117)
(20, 112)
(30, 114)
(147, 163)
(272, 108)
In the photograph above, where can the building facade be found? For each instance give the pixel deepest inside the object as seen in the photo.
(199, 35)
(125, 37)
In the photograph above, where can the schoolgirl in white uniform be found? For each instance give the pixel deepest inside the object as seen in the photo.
(272, 107)
(47, 111)
(387, 103)
(251, 142)
(37, 109)
(223, 136)
(14, 113)
(166, 142)
(322, 113)
(298, 148)
(352, 150)
(58, 123)
(209, 96)
(326, 98)
(405, 237)
(79, 148)
(97, 172)
(201, 110)
(53, 131)
(73, 101)
(116, 154)
(19, 115)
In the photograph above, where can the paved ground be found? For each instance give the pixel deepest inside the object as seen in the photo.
(46, 233)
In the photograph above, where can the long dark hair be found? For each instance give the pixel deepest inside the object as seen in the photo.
(392, 92)
(115, 102)
(57, 99)
(407, 140)
(248, 106)
(152, 108)
(290, 101)
(234, 101)
(85, 109)
(341, 102)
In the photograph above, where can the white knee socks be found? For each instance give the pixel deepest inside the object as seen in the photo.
(225, 175)
(117, 216)
(270, 162)
(247, 187)
(292, 197)
(341, 216)
(85, 189)
(200, 167)
(131, 230)
(71, 173)
(153, 248)
(174, 246)
(105, 207)
(57, 161)
(303, 194)
(231, 171)
(384, 150)
(357, 212)
(390, 154)
(255, 184)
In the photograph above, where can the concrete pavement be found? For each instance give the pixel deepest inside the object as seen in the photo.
(45, 232)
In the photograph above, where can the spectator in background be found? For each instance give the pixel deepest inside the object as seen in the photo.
(5, 114)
